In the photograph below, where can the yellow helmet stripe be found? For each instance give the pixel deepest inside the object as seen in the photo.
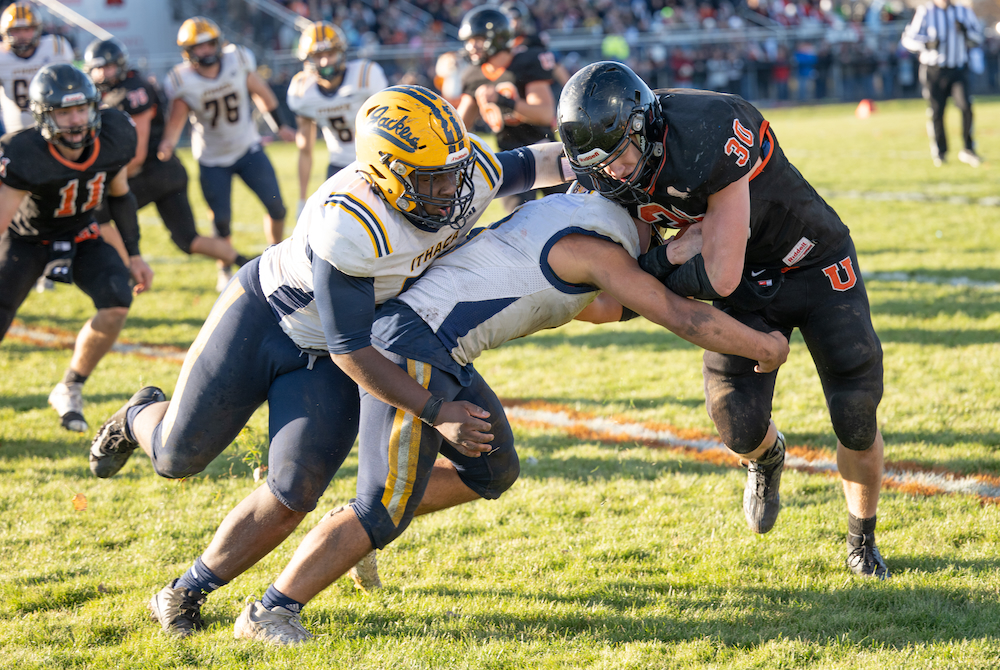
(449, 122)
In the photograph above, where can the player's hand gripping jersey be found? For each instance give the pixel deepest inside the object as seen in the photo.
(498, 285)
(221, 108)
(335, 113)
(528, 66)
(348, 226)
(16, 73)
(712, 140)
(63, 194)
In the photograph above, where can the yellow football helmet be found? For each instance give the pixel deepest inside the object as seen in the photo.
(199, 30)
(411, 142)
(319, 37)
(21, 15)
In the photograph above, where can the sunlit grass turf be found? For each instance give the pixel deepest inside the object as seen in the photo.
(600, 556)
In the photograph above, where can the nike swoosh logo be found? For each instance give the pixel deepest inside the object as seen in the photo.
(758, 272)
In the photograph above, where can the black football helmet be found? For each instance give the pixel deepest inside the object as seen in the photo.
(101, 53)
(57, 87)
(521, 21)
(602, 108)
(489, 23)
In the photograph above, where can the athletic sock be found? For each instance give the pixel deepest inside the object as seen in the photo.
(857, 529)
(275, 598)
(74, 377)
(130, 415)
(200, 579)
(241, 260)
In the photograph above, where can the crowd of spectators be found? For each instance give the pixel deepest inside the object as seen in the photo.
(844, 59)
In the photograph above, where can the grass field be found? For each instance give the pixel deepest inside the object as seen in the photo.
(604, 554)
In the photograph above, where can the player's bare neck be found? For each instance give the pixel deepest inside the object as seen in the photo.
(208, 71)
(498, 61)
(72, 155)
(330, 86)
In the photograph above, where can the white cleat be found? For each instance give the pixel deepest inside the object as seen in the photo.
(67, 399)
(365, 573)
(970, 158)
(276, 626)
(223, 277)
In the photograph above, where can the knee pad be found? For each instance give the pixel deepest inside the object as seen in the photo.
(742, 419)
(377, 522)
(276, 209)
(853, 414)
(502, 469)
(174, 463)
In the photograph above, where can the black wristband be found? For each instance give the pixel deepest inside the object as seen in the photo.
(627, 314)
(276, 118)
(430, 412)
(655, 262)
(505, 103)
(124, 211)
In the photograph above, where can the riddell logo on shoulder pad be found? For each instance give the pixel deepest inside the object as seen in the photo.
(798, 252)
(77, 98)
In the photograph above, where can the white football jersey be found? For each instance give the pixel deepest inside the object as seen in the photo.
(16, 74)
(335, 114)
(498, 286)
(223, 128)
(348, 225)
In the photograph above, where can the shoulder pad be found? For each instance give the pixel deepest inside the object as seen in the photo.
(344, 240)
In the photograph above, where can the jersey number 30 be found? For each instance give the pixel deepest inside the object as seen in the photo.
(68, 193)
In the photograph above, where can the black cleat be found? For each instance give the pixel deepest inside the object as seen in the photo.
(178, 610)
(761, 500)
(112, 446)
(863, 557)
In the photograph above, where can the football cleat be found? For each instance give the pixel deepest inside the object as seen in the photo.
(67, 399)
(970, 157)
(222, 278)
(863, 557)
(761, 500)
(365, 573)
(277, 626)
(178, 610)
(112, 445)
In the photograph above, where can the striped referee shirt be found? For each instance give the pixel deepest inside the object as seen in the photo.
(943, 35)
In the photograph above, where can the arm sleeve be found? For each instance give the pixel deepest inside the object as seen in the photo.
(691, 280)
(518, 171)
(124, 210)
(346, 307)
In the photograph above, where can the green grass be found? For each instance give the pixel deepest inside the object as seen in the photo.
(599, 556)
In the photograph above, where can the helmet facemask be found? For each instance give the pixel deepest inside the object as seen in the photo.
(23, 48)
(207, 60)
(417, 195)
(54, 134)
(331, 70)
(632, 189)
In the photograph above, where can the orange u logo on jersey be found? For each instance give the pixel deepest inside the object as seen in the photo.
(832, 273)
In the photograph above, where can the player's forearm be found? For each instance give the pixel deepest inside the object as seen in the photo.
(305, 171)
(551, 165)
(383, 379)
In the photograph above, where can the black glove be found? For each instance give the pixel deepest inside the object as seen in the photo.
(505, 103)
(655, 262)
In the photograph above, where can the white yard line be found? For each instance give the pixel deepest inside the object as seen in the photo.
(604, 428)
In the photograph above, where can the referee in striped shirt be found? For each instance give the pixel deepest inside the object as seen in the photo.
(942, 33)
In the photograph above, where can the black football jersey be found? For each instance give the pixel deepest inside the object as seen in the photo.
(134, 95)
(714, 139)
(527, 66)
(63, 194)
